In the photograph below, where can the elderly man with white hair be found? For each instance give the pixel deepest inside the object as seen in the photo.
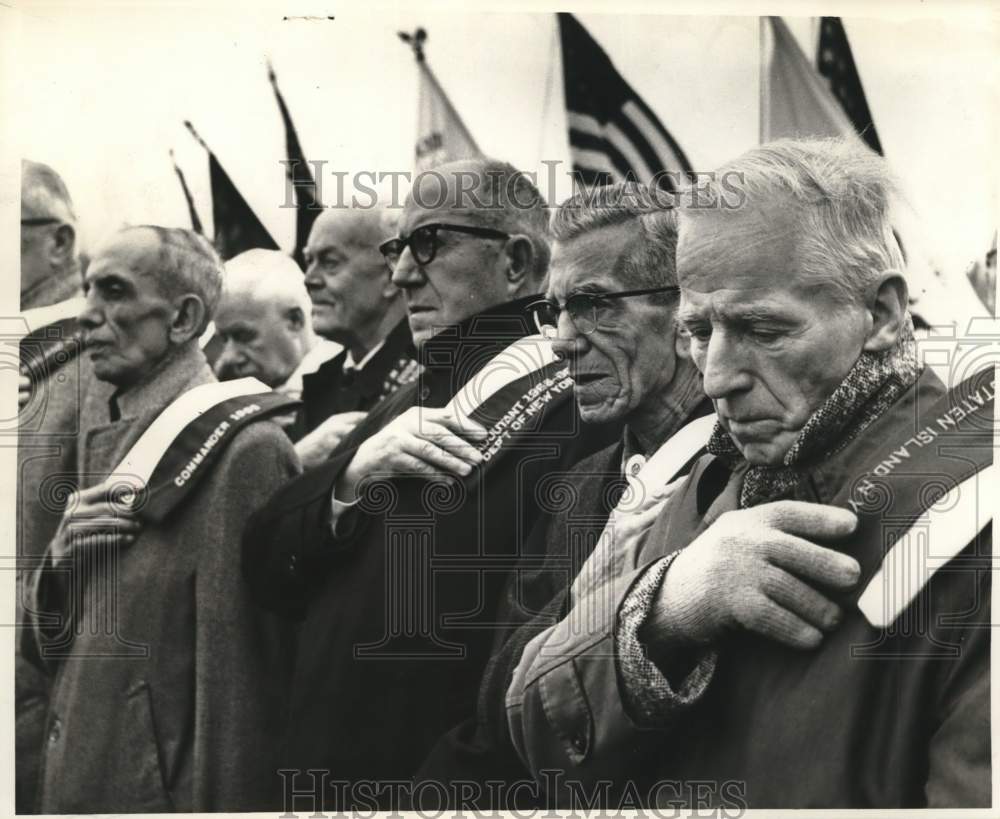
(807, 623)
(265, 322)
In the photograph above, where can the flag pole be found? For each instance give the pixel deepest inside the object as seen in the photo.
(196, 135)
(762, 82)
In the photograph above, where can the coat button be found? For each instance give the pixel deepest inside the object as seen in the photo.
(55, 731)
(425, 393)
(293, 561)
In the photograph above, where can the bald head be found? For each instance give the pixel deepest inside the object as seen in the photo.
(48, 237)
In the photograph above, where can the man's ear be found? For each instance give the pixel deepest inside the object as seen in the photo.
(888, 310)
(520, 261)
(62, 245)
(188, 320)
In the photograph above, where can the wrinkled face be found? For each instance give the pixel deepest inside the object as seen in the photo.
(127, 319)
(629, 359)
(771, 345)
(467, 273)
(345, 275)
(261, 338)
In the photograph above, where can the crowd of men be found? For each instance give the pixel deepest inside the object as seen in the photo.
(501, 505)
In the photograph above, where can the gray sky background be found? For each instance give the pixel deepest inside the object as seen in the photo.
(99, 91)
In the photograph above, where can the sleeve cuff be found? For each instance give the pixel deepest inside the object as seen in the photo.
(649, 697)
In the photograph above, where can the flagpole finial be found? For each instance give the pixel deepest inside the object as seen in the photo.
(416, 42)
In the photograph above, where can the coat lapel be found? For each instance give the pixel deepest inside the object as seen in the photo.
(106, 442)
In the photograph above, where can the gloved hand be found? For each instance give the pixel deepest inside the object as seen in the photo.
(756, 569)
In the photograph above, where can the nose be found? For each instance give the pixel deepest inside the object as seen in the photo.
(91, 316)
(569, 343)
(228, 359)
(722, 367)
(313, 280)
(407, 274)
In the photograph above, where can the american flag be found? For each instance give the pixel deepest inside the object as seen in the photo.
(836, 63)
(613, 134)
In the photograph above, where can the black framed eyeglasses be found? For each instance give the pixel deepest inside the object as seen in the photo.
(423, 242)
(40, 220)
(583, 309)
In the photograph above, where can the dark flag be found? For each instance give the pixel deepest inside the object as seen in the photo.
(836, 63)
(195, 220)
(307, 203)
(237, 227)
(613, 134)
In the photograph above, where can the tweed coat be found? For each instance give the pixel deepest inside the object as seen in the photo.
(158, 697)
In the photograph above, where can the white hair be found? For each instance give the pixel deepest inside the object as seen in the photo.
(268, 276)
(843, 192)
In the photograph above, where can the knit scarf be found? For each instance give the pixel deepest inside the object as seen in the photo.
(873, 384)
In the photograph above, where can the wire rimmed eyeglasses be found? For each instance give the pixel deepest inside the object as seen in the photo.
(583, 309)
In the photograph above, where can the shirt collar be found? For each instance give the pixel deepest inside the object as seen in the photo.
(350, 364)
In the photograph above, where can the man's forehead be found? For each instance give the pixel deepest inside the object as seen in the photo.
(343, 229)
(590, 259)
(417, 212)
(136, 250)
(738, 303)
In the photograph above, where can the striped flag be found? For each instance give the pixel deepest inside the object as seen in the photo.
(613, 134)
(441, 134)
(836, 63)
(307, 204)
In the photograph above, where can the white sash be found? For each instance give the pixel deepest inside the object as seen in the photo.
(613, 556)
(665, 464)
(139, 463)
(523, 357)
(937, 536)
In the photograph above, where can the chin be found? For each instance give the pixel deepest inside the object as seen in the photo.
(760, 453)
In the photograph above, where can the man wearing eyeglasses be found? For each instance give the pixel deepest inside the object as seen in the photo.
(610, 307)
(392, 556)
(52, 379)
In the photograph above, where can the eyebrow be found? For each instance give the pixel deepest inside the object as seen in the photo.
(737, 315)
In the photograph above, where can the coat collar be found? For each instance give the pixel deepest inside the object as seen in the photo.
(105, 441)
(186, 367)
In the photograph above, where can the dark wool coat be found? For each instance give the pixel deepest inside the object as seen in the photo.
(397, 617)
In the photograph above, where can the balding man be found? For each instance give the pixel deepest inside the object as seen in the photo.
(393, 554)
(52, 379)
(49, 267)
(140, 617)
(355, 304)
